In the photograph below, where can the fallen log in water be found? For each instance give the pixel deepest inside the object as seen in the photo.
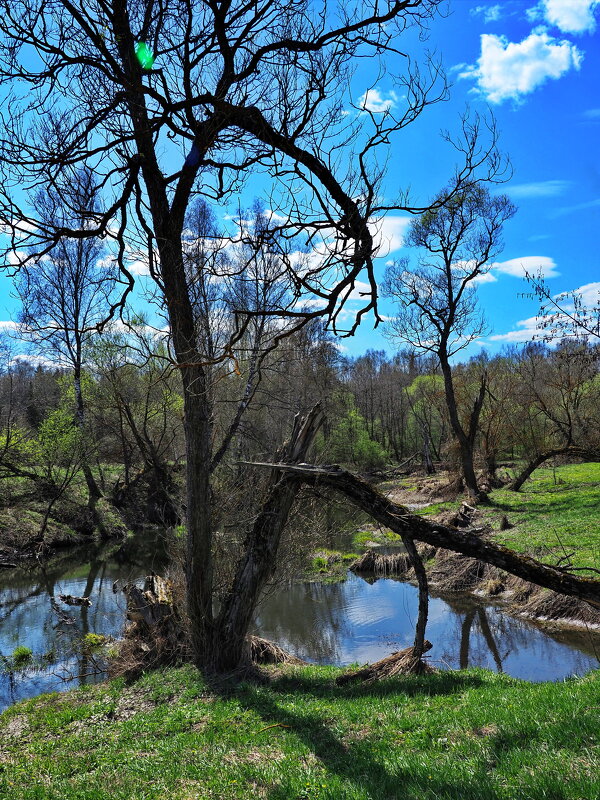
(403, 522)
(73, 600)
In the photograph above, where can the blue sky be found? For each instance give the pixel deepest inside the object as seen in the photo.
(537, 68)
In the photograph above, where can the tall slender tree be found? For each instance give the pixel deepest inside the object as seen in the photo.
(65, 293)
(437, 305)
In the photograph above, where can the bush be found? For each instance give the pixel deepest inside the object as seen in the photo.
(350, 443)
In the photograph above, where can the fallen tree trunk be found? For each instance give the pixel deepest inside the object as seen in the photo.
(403, 522)
(580, 452)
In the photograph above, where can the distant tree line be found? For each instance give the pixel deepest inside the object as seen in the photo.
(380, 410)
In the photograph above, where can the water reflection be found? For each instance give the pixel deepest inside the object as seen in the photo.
(358, 621)
(31, 614)
(338, 623)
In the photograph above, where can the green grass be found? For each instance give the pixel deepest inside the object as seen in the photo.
(329, 565)
(362, 539)
(467, 735)
(556, 513)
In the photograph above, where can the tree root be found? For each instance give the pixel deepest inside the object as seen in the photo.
(403, 662)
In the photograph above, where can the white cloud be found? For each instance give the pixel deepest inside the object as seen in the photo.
(527, 329)
(37, 361)
(489, 13)
(592, 113)
(569, 16)
(508, 71)
(588, 297)
(485, 277)
(561, 212)
(532, 265)
(542, 326)
(550, 188)
(389, 233)
(8, 325)
(375, 102)
(360, 290)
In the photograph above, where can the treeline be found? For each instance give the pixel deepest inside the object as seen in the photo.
(380, 411)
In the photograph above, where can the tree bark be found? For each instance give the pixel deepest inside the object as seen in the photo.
(465, 439)
(419, 568)
(258, 563)
(94, 493)
(539, 460)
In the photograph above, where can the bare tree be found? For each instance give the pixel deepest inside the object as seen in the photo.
(568, 314)
(438, 312)
(65, 293)
(169, 99)
(558, 399)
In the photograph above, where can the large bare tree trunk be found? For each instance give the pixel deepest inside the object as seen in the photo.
(258, 563)
(465, 438)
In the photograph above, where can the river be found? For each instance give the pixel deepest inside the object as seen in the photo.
(354, 621)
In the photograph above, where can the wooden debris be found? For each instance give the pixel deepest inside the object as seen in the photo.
(262, 651)
(73, 600)
(403, 662)
(157, 636)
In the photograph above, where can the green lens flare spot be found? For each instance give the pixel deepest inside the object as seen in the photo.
(144, 55)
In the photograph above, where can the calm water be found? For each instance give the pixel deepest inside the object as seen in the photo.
(340, 623)
(32, 615)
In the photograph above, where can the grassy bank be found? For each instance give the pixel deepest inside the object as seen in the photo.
(556, 513)
(464, 735)
(66, 522)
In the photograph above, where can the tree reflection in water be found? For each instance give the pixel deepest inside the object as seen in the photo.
(31, 614)
(328, 623)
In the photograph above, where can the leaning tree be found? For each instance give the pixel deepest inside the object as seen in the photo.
(168, 100)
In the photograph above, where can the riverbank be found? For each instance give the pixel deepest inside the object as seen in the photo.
(555, 518)
(37, 525)
(468, 735)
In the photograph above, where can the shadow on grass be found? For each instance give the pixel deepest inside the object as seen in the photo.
(441, 683)
(368, 765)
(545, 504)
